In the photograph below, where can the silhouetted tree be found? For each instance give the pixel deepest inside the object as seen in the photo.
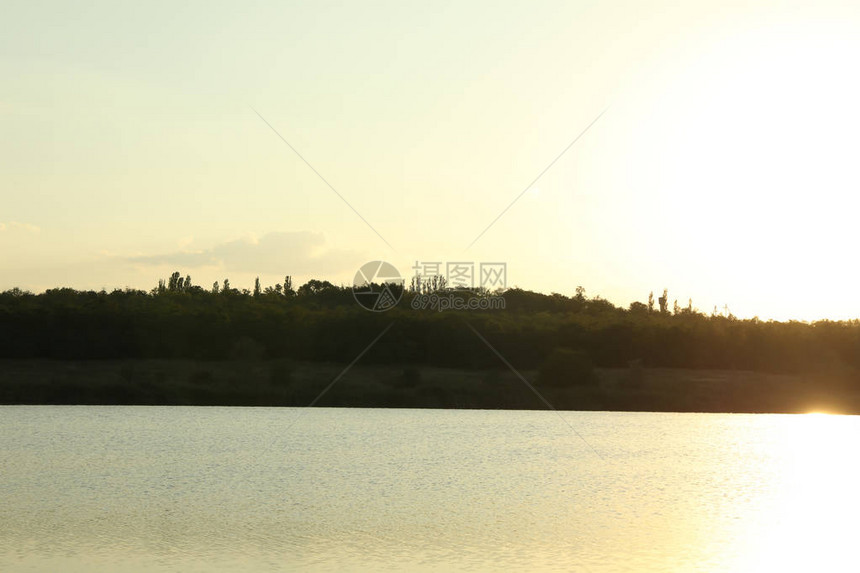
(314, 286)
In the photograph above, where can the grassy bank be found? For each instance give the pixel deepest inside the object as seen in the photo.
(288, 383)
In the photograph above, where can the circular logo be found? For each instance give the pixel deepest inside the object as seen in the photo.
(377, 286)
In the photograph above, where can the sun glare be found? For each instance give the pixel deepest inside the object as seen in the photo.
(752, 151)
(809, 523)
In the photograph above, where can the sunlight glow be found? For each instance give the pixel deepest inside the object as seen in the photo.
(751, 164)
(810, 523)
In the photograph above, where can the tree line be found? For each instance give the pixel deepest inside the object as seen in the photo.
(320, 321)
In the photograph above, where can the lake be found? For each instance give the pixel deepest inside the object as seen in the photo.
(93, 488)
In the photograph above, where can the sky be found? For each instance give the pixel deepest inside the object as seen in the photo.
(142, 139)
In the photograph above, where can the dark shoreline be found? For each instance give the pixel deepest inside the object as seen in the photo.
(288, 383)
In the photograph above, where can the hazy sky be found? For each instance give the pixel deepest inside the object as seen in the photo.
(725, 167)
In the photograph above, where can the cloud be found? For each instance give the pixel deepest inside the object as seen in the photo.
(280, 252)
(16, 226)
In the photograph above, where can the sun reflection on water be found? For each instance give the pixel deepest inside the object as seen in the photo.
(810, 520)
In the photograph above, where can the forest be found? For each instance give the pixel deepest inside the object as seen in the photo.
(558, 340)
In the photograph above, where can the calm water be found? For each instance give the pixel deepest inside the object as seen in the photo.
(259, 489)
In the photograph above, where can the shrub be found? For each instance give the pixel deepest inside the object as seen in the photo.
(566, 367)
(247, 349)
(410, 377)
(281, 373)
(201, 378)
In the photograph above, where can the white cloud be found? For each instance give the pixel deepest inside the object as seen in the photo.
(279, 252)
(17, 226)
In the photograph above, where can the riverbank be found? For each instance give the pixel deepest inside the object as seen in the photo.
(287, 383)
